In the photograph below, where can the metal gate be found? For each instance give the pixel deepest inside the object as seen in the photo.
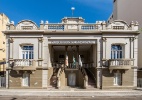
(2, 81)
(139, 82)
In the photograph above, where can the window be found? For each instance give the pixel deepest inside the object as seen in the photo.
(25, 79)
(116, 52)
(117, 78)
(27, 52)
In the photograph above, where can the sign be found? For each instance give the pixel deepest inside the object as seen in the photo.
(73, 42)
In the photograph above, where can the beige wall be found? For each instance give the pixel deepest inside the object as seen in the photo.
(3, 21)
(127, 79)
(15, 80)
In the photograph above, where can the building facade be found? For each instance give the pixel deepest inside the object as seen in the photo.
(130, 10)
(71, 53)
(3, 21)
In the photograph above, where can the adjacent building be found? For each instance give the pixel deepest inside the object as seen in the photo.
(130, 10)
(71, 53)
(3, 21)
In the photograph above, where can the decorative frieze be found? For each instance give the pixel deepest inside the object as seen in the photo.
(72, 42)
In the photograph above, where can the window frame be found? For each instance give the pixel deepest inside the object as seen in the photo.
(118, 54)
(26, 75)
(117, 79)
(28, 52)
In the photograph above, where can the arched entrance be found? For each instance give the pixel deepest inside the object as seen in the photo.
(72, 79)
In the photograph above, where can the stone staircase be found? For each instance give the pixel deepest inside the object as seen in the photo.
(91, 79)
(53, 80)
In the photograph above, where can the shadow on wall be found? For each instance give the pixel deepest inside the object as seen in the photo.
(15, 74)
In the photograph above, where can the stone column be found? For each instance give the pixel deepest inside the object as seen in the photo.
(104, 47)
(132, 48)
(49, 55)
(11, 48)
(45, 62)
(99, 77)
(135, 51)
(99, 68)
(104, 52)
(66, 48)
(77, 58)
(40, 40)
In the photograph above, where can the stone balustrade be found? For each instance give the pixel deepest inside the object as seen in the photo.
(71, 66)
(121, 63)
(24, 62)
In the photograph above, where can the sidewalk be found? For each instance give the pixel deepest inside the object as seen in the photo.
(69, 93)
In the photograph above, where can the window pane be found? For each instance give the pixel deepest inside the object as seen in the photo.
(116, 52)
(27, 52)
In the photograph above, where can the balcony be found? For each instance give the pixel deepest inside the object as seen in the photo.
(24, 64)
(71, 66)
(121, 63)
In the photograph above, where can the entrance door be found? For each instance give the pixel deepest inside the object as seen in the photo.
(72, 79)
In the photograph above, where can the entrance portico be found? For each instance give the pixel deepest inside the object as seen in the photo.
(72, 61)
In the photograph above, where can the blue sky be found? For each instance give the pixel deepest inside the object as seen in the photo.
(55, 10)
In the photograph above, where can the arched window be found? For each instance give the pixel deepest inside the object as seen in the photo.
(116, 52)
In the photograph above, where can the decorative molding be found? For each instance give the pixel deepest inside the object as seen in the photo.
(72, 42)
(40, 39)
(23, 44)
(132, 39)
(11, 40)
(104, 39)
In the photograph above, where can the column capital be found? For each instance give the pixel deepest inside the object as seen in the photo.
(104, 39)
(40, 39)
(132, 39)
(11, 40)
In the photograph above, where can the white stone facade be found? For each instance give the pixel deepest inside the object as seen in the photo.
(74, 33)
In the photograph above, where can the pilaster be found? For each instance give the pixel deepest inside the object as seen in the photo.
(40, 46)
(99, 68)
(11, 47)
(45, 53)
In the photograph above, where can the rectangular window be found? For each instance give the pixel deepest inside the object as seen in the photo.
(27, 52)
(117, 78)
(25, 79)
(116, 52)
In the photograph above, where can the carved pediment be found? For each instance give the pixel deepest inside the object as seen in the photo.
(118, 25)
(26, 25)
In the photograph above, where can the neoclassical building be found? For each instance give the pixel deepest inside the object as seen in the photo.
(71, 53)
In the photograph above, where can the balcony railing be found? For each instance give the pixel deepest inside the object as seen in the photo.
(72, 66)
(24, 62)
(64, 27)
(121, 63)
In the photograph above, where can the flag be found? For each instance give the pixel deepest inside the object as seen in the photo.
(74, 62)
(80, 62)
(66, 60)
